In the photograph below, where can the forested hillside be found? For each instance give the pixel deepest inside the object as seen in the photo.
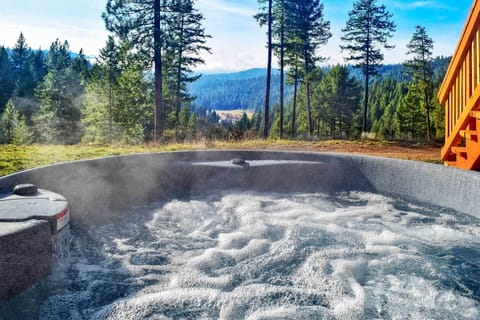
(245, 89)
(240, 90)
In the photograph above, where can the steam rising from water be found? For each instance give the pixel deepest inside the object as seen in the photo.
(263, 256)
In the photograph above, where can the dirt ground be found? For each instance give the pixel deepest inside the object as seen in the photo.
(400, 150)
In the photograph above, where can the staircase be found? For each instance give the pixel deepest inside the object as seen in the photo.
(460, 94)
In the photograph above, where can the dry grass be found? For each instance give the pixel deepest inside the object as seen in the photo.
(18, 158)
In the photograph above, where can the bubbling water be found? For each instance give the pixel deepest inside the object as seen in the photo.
(269, 256)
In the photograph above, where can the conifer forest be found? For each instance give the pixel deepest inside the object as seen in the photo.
(143, 87)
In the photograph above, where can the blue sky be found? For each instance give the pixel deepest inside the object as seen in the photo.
(237, 43)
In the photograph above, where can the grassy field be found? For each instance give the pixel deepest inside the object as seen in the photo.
(18, 158)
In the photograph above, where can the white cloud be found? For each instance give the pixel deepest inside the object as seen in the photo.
(90, 39)
(405, 5)
(224, 7)
(237, 42)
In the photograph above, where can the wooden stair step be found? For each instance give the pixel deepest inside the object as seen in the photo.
(468, 134)
(475, 114)
(460, 151)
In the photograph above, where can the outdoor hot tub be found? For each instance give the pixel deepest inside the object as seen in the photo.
(259, 235)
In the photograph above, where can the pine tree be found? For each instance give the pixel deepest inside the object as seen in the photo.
(29, 70)
(96, 115)
(289, 51)
(80, 65)
(21, 58)
(144, 24)
(132, 109)
(337, 97)
(7, 80)
(266, 17)
(140, 24)
(420, 69)
(293, 77)
(313, 31)
(282, 21)
(367, 30)
(108, 62)
(59, 94)
(409, 114)
(38, 65)
(385, 96)
(118, 101)
(185, 40)
(281, 14)
(266, 109)
(300, 30)
(10, 119)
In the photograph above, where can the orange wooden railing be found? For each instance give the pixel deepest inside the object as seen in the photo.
(460, 94)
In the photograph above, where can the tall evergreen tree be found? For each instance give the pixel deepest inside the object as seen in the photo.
(185, 40)
(337, 97)
(140, 23)
(280, 16)
(80, 65)
(420, 69)
(21, 58)
(60, 97)
(385, 96)
(117, 105)
(29, 70)
(302, 32)
(266, 17)
(108, 61)
(409, 115)
(145, 25)
(39, 67)
(132, 109)
(9, 120)
(266, 109)
(367, 30)
(7, 80)
(313, 31)
(282, 12)
(293, 78)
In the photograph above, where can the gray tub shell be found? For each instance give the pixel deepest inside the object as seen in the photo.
(96, 189)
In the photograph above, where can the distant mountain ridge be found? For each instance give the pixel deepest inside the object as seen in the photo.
(241, 75)
(238, 90)
(246, 89)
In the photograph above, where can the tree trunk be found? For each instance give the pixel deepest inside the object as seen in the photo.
(309, 102)
(365, 107)
(427, 108)
(269, 73)
(367, 81)
(340, 126)
(179, 76)
(294, 111)
(159, 123)
(110, 102)
(309, 108)
(282, 76)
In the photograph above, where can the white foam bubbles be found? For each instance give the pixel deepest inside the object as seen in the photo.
(273, 256)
